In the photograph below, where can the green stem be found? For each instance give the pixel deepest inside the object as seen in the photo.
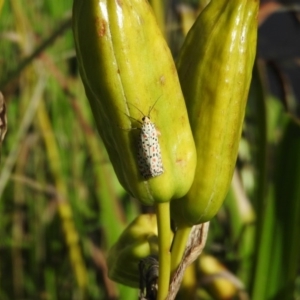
(164, 239)
(179, 243)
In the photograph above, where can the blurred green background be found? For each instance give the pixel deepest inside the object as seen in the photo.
(62, 208)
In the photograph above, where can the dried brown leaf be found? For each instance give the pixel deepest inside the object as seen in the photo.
(194, 247)
(3, 118)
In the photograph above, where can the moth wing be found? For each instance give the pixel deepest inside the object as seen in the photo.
(149, 157)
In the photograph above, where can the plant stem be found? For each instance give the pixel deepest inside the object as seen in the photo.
(179, 243)
(164, 239)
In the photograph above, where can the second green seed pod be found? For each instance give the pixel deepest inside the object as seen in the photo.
(215, 69)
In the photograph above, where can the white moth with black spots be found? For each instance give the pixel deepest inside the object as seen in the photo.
(149, 155)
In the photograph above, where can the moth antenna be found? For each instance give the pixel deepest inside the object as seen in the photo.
(137, 109)
(151, 107)
(133, 119)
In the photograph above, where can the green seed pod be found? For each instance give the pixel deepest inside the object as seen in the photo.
(138, 241)
(215, 69)
(126, 68)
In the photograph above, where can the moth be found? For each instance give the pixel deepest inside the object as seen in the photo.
(149, 155)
